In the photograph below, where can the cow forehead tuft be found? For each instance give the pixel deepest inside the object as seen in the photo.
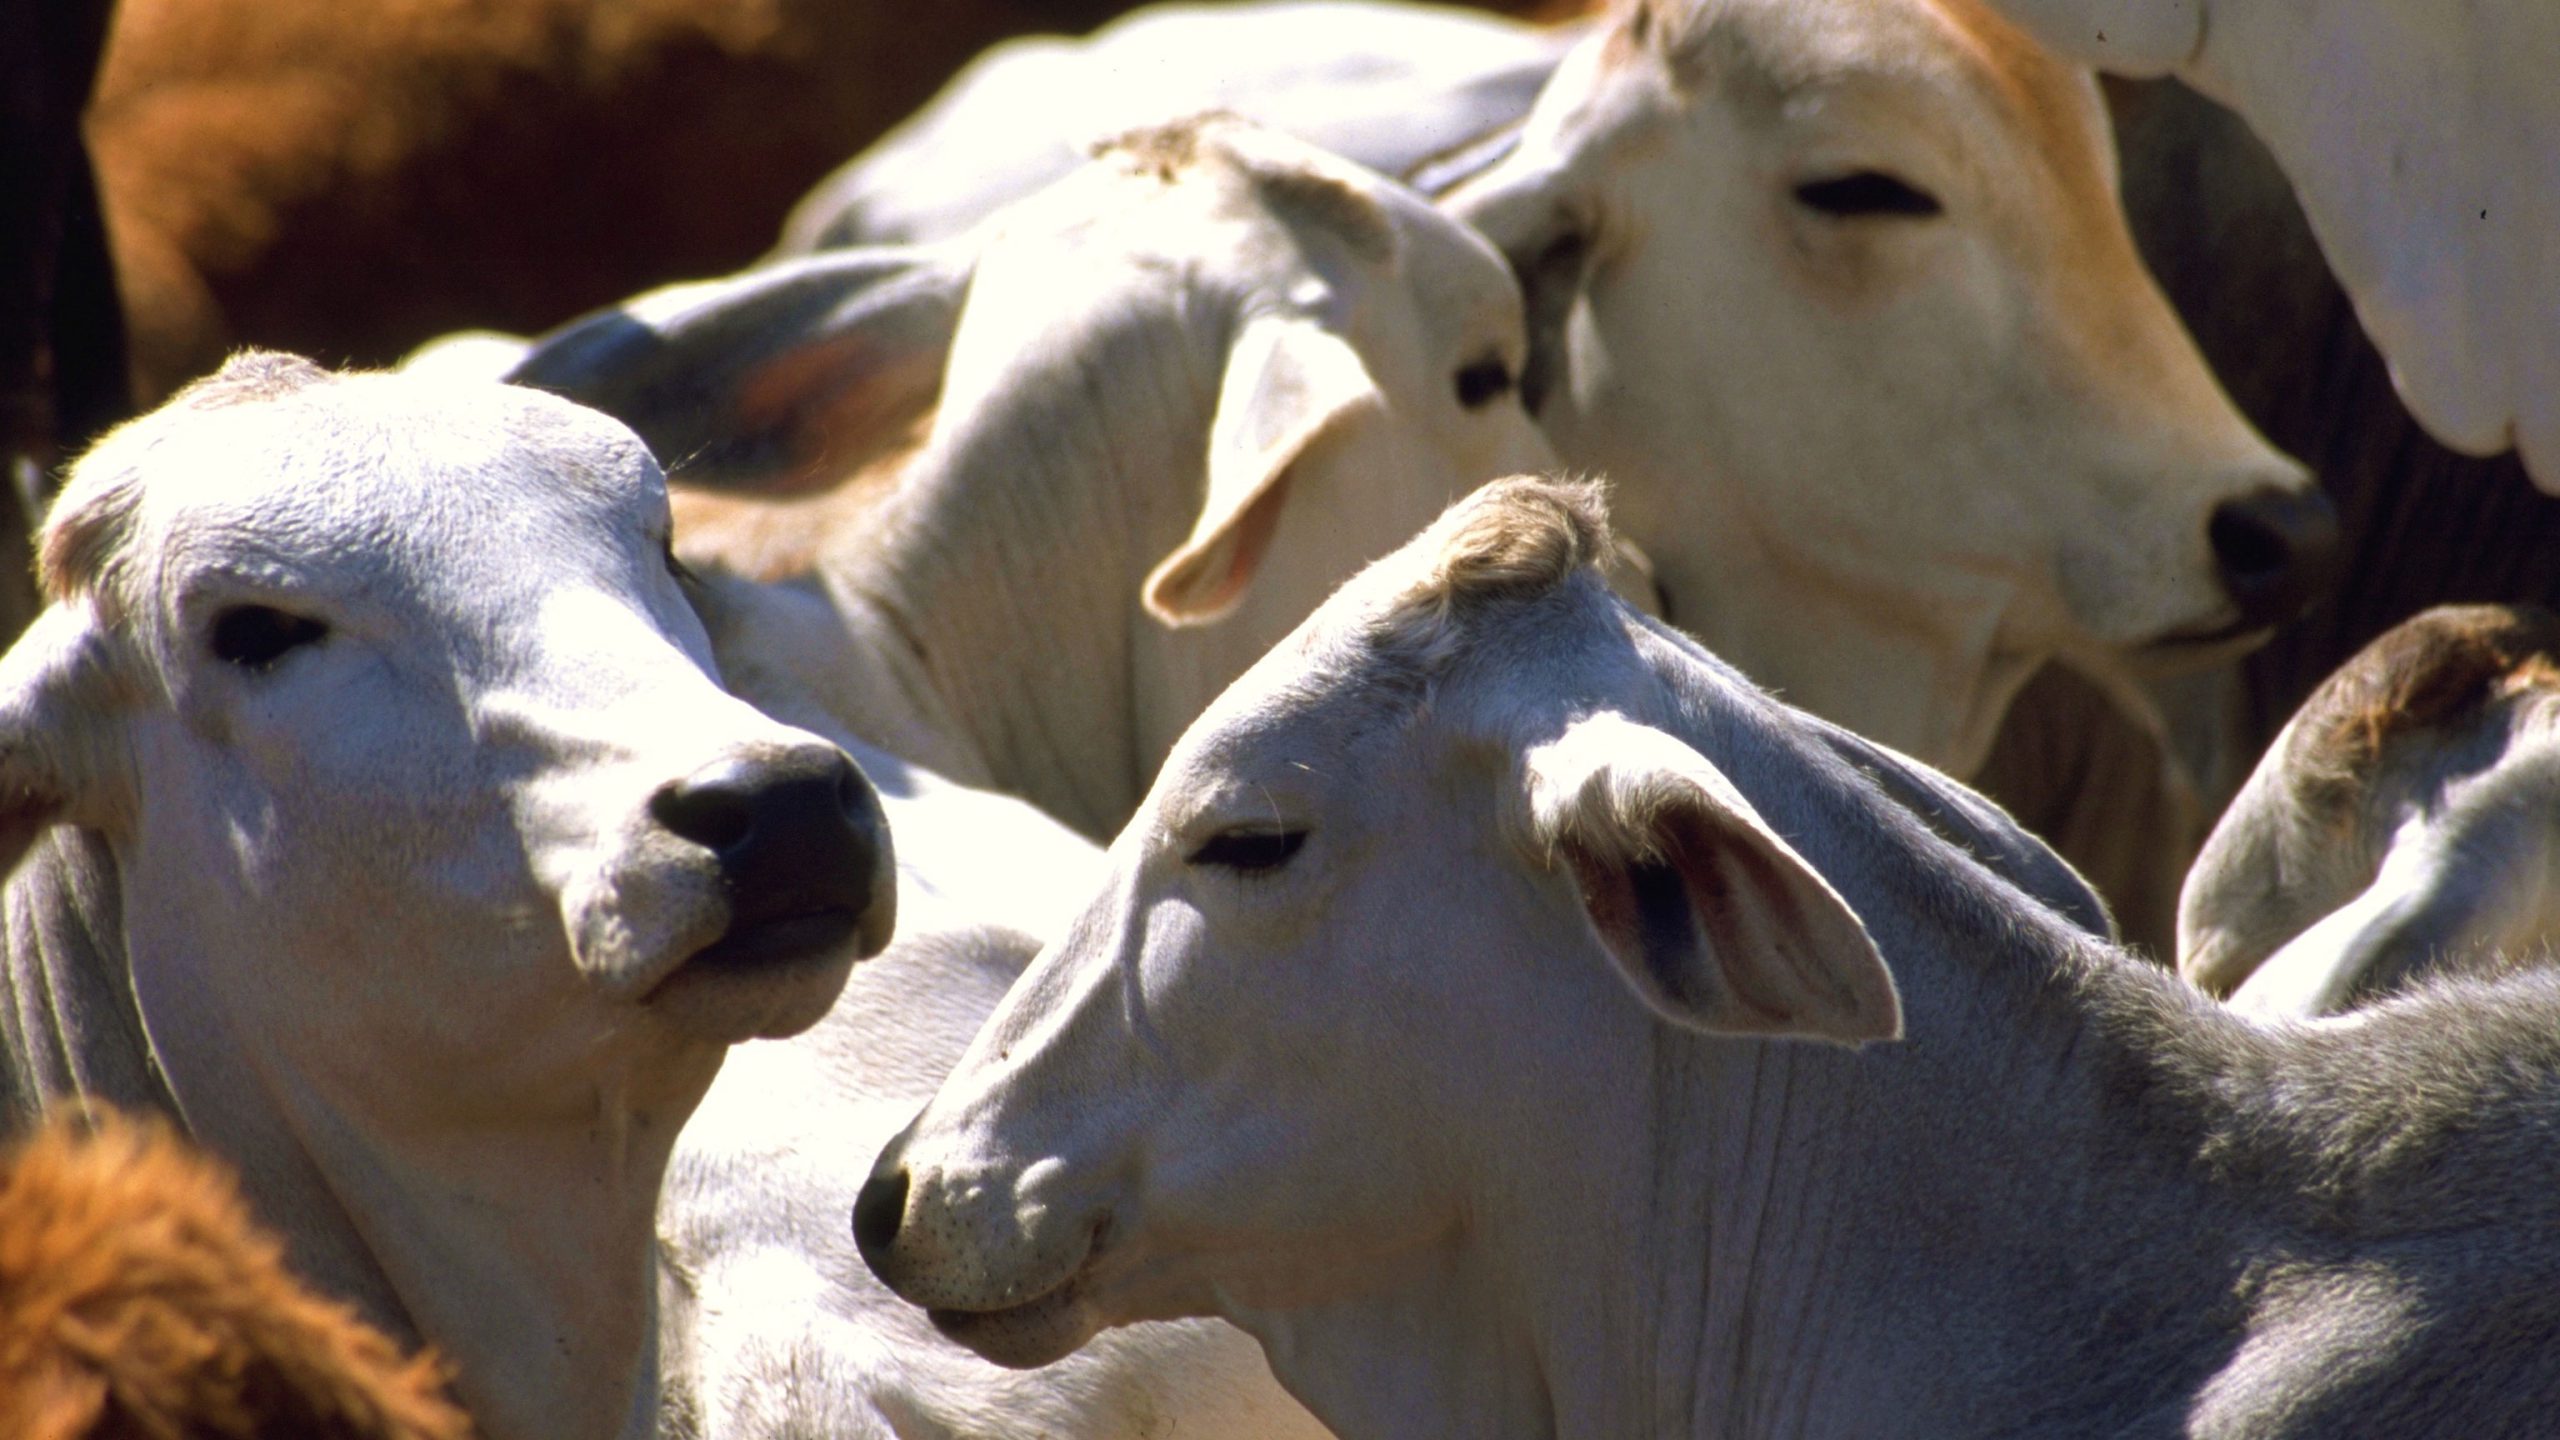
(2420, 674)
(1300, 183)
(1512, 539)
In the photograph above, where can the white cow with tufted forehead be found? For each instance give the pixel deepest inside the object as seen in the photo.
(1490, 1010)
(1839, 295)
(375, 812)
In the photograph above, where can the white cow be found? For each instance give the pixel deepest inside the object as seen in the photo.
(2419, 135)
(2407, 820)
(1187, 391)
(1482, 1011)
(1839, 295)
(1389, 85)
(381, 821)
(770, 1325)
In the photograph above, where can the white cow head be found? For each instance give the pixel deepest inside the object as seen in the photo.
(1839, 295)
(2403, 822)
(385, 700)
(1187, 391)
(1385, 904)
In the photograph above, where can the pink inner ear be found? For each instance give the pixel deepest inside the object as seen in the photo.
(839, 402)
(1243, 539)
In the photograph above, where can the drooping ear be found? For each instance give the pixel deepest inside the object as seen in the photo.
(1288, 382)
(782, 378)
(1713, 919)
(56, 722)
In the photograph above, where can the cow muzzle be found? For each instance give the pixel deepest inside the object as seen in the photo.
(780, 860)
(1022, 1302)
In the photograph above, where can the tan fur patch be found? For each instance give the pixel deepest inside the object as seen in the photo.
(138, 1299)
(2420, 674)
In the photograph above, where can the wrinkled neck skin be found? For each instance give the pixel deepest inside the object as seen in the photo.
(1004, 575)
(522, 1253)
(1929, 674)
(1781, 1238)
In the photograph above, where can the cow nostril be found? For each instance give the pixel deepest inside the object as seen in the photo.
(2246, 548)
(878, 1212)
(713, 807)
(2276, 551)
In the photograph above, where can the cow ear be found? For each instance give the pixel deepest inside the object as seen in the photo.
(56, 719)
(1289, 381)
(783, 378)
(1717, 923)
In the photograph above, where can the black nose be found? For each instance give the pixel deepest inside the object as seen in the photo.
(797, 831)
(2277, 551)
(878, 1212)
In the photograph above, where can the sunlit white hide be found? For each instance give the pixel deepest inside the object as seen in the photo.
(1387, 85)
(1187, 391)
(2419, 135)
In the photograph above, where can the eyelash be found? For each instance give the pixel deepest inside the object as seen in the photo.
(1249, 852)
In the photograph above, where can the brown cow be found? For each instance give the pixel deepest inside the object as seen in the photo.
(138, 1298)
(347, 180)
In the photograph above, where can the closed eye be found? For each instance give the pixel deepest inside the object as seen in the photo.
(676, 567)
(255, 637)
(1484, 382)
(1248, 851)
(1868, 192)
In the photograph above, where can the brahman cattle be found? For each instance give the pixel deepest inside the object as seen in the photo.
(1187, 391)
(139, 1298)
(1485, 1010)
(374, 813)
(1924, 422)
(1893, 496)
(2418, 134)
(2407, 821)
(1391, 85)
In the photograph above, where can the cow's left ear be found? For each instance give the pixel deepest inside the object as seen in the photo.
(1289, 382)
(60, 736)
(1713, 919)
(783, 378)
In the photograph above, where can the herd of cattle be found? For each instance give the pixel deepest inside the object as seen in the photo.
(605, 834)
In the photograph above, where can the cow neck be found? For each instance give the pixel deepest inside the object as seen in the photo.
(523, 1252)
(524, 1255)
(70, 1031)
(2008, 1215)
(1929, 675)
(1008, 568)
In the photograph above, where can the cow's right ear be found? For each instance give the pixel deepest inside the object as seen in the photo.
(782, 378)
(57, 723)
(1714, 920)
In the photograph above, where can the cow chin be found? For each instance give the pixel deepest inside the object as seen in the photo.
(1025, 1336)
(766, 981)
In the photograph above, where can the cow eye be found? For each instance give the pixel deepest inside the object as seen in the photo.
(1484, 382)
(676, 567)
(1868, 192)
(255, 637)
(1249, 850)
